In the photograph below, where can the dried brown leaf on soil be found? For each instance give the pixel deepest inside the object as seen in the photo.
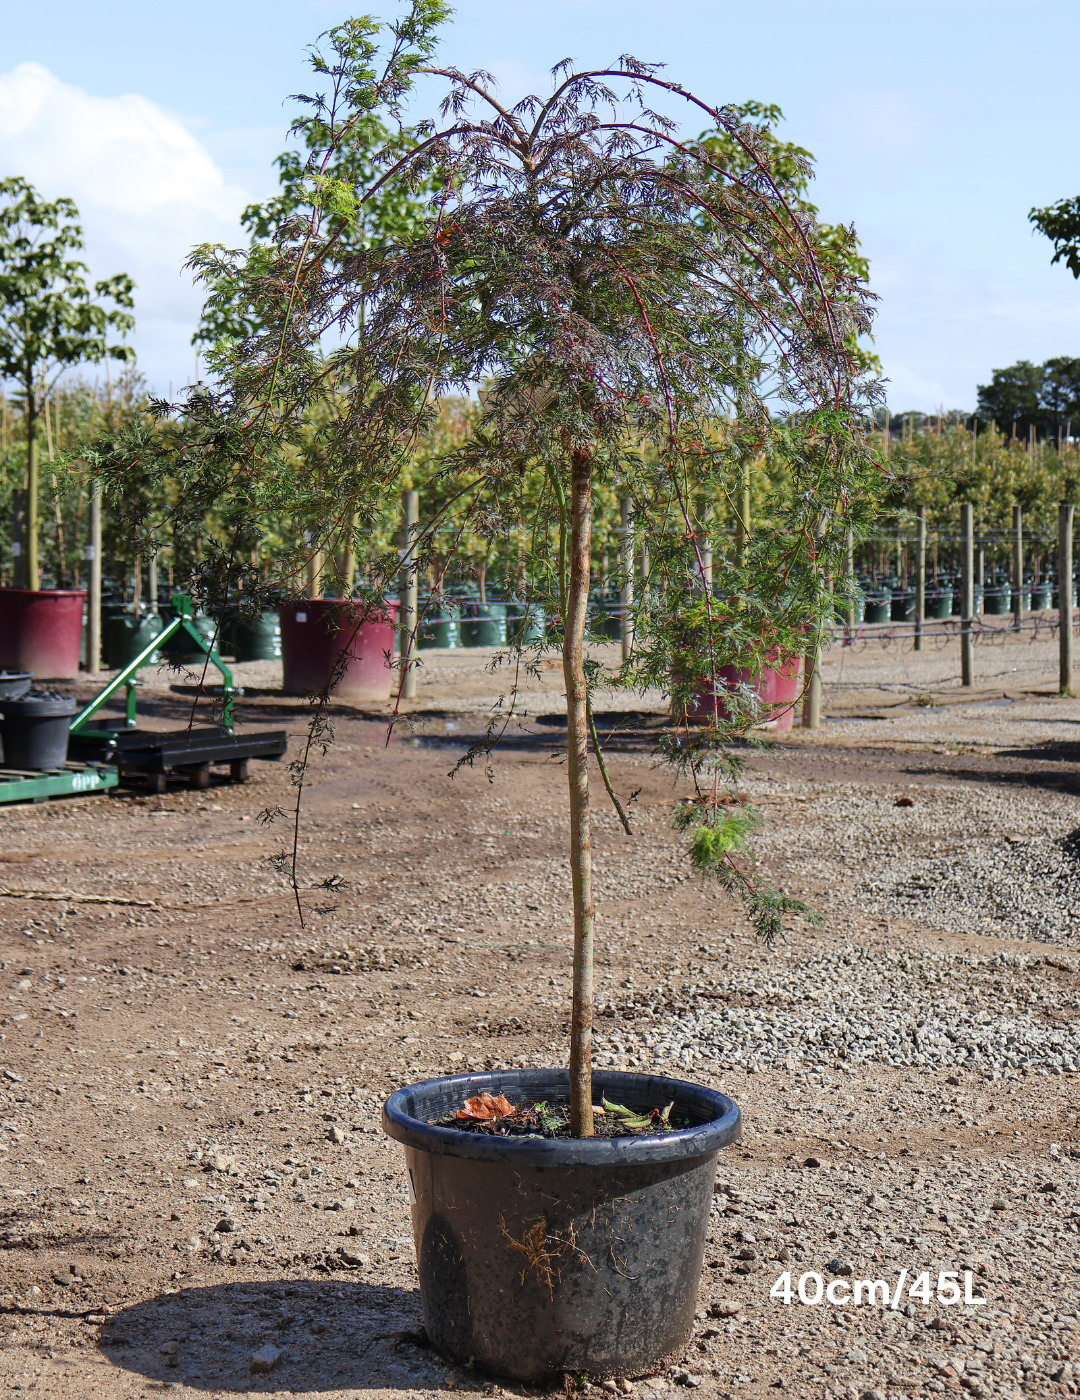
(485, 1108)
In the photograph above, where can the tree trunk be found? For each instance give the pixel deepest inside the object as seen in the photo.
(33, 576)
(577, 601)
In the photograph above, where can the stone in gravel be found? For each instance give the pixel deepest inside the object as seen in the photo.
(65, 1278)
(747, 1253)
(811, 1162)
(688, 1378)
(265, 1359)
(839, 1267)
(726, 1307)
(858, 1356)
(355, 1259)
(226, 1225)
(336, 1135)
(1048, 1186)
(873, 1395)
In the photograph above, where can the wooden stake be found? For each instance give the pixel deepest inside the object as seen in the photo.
(1065, 603)
(93, 554)
(967, 570)
(626, 568)
(410, 501)
(61, 568)
(811, 710)
(920, 573)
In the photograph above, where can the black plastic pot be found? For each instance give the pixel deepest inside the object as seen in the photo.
(540, 1256)
(34, 732)
(14, 683)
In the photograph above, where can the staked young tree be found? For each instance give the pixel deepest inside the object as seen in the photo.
(620, 294)
(50, 318)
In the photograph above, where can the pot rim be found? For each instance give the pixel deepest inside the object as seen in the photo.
(721, 1125)
(34, 707)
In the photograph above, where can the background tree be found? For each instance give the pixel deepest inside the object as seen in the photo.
(1059, 395)
(49, 318)
(1011, 399)
(1061, 224)
(1024, 396)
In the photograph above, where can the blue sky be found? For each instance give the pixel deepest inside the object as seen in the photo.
(935, 128)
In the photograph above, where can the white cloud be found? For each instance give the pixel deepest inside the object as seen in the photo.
(146, 188)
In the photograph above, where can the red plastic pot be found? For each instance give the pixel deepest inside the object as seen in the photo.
(41, 631)
(777, 685)
(315, 632)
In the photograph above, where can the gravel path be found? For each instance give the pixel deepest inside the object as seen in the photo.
(870, 1005)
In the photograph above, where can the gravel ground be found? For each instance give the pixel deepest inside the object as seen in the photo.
(191, 1169)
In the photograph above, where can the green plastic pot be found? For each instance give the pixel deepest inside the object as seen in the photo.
(878, 605)
(525, 622)
(180, 648)
(440, 627)
(1040, 597)
(255, 638)
(125, 636)
(938, 601)
(997, 598)
(483, 624)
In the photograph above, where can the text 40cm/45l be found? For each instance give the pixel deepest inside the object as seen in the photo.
(811, 1289)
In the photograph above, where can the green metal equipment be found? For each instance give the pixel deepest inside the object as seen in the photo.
(128, 677)
(70, 781)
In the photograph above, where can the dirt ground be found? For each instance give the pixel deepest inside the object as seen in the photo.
(191, 1164)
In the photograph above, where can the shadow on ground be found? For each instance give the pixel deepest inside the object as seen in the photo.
(329, 1336)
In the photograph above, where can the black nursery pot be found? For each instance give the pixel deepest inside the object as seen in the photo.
(34, 731)
(541, 1256)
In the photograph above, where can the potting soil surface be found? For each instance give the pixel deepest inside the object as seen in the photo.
(196, 1194)
(551, 1119)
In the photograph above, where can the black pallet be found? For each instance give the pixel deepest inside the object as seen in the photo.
(142, 754)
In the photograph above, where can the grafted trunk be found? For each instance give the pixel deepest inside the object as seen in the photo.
(577, 602)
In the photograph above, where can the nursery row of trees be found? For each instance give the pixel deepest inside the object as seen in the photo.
(935, 462)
